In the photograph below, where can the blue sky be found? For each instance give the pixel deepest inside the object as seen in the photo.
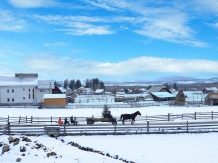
(109, 39)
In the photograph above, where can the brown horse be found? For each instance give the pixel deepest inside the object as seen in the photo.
(132, 116)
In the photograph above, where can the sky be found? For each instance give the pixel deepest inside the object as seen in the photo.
(108, 39)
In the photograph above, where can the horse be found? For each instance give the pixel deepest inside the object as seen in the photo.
(132, 116)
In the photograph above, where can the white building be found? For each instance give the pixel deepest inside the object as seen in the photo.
(24, 89)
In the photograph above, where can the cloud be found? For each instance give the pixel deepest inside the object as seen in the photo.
(56, 44)
(31, 3)
(156, 19)
(77, 25)
(9, 22)
(137, 67)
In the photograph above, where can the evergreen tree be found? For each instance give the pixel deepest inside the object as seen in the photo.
(78, 84)
(102, 85)
(175, 86)
(105, 111)
(72, 84)
(56, 83)
(66, 83)
(87, 83)
(167, 86)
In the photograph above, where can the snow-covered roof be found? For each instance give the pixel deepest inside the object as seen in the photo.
(211, 88)
(99, 90)
(45, 84)
(17, 81)
(156, 88)
(54, 96)
(163, 94)
(62, 89)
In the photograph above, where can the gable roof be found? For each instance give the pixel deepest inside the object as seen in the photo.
(162, 94)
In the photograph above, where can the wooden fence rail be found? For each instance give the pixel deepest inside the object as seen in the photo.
(142, 128)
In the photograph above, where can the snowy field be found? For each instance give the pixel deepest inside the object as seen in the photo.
(178, 148)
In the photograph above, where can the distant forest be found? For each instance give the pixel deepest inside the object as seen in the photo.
(94, 84)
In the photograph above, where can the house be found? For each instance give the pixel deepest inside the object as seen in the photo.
(23, 89)
(159, 89)
(54, 100)
(99, 91)
(162, 96)
(207, 90)
(67, 91)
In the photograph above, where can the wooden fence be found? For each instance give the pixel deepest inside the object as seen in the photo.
(139, 119)
(141, 128)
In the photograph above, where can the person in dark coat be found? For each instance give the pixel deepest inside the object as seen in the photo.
(66, 121)
(72, 120)
(109, 115)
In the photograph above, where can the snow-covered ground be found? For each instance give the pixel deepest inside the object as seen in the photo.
(178, 148)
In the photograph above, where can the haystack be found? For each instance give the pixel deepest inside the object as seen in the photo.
(180, 98)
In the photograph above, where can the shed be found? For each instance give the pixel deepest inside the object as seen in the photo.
(55, 99)
(212, 99)
(209, 89)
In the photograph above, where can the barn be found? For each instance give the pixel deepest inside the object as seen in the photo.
(54, 100)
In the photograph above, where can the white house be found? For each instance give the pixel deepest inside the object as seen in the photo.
(24, 89)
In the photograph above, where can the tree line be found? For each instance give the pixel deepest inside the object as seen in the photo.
(94, 84)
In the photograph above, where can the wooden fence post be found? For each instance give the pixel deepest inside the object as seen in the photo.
(195, 115)
(148, 127)
(168, 116)
(31, 119)
(26, 119)
(19, 119)
(64, 130)
(115, 129)
(51, 119)
(8, 119)
(187, 126)
(9, 129)
(212, 115)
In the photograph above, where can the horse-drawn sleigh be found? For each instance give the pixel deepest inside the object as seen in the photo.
(123, 118)
(91, 121)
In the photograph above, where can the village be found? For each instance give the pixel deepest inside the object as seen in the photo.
(26, 89)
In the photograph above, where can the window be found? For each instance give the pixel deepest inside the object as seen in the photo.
(41, 90)
(23, 89)
(12, 90)
(13, 99)
(24, 98)
(29, 96)
(29, 90)
(8, 90)
(8, 99)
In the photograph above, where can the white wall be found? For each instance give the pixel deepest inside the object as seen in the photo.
(17, 94)
(22, 94)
